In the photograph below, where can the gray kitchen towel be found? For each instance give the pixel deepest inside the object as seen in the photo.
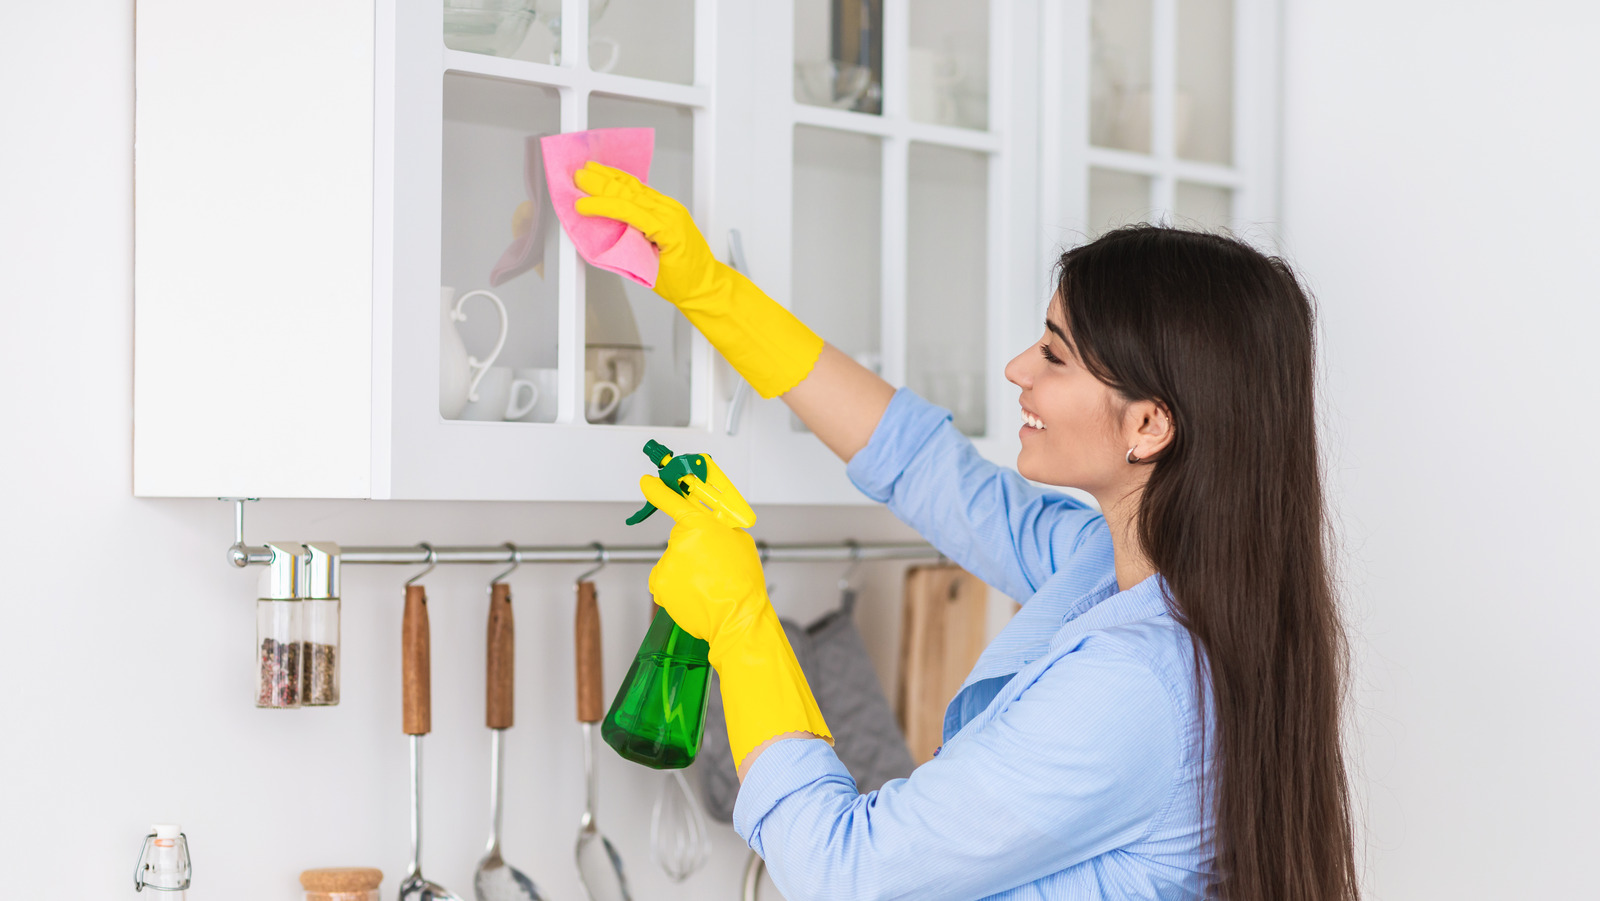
(866, 736)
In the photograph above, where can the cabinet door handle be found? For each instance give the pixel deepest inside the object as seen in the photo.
(742, 389)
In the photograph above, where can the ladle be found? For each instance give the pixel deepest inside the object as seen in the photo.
(416, 689)
(495, 879)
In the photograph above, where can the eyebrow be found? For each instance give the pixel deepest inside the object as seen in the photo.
(1061, 333)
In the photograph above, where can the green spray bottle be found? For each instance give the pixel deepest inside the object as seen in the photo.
(658, 716)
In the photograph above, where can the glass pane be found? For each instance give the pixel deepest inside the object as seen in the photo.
(1202, 206)
(495, 27)
(838, 54)
(499, 237)
(1203, 107)
(643, 38)
(1119, 77)
(947, 280)
(948, 63)
(1117, 198)
(639, 354)
(838, 188)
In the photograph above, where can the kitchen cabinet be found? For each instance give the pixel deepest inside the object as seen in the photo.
(311, 190)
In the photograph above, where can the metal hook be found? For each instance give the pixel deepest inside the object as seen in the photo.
(433, 560)
(855, 561)
(516, 561)
(605, 558)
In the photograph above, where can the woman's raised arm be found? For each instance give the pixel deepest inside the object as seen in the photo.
(841, 401)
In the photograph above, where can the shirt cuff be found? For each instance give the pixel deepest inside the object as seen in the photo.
(901, 433)
(784, 768)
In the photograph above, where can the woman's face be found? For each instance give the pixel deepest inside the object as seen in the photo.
(1072, 429)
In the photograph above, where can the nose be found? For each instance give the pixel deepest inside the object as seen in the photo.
(1018, 371)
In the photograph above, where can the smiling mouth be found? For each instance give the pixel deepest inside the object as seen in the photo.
(1032, 421)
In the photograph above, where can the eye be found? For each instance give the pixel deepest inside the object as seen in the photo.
(1048, 355)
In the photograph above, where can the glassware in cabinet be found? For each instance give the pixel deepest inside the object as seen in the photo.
(838, 54)
(947, 277)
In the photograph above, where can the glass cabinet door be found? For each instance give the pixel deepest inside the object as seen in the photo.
(1203, 105)
(498, 261)
(1117, 199)
(652, 39)
(638, 354)
(837, 250)
(947, 271)
(1120, 34)
(1162, 113)
(838, 54)
(947, 63)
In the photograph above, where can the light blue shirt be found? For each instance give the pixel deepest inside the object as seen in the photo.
(1072, 754)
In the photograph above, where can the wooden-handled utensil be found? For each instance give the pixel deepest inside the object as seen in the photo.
(495, 879)
(598, 864)
(417, 715)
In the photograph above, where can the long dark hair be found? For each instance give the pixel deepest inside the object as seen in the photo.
(1233, 518)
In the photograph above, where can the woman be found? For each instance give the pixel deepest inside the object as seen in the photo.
(1161, 719)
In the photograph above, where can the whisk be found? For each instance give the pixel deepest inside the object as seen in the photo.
(680, 840)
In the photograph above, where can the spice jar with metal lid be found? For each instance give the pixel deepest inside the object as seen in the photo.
(342, 884)
(280, 627)
(319, 653)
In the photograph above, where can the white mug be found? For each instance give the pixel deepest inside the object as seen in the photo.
(595, 409)
(542, 385)
(501, 397)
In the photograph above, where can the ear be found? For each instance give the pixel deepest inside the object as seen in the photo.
(1147, 427)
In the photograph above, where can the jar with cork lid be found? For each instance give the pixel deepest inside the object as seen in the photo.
(341, 884)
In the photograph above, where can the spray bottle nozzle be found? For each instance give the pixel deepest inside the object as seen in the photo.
(698, 477)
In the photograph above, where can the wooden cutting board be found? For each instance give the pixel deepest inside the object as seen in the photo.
(943, 631)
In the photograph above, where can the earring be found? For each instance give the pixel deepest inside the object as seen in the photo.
(1131, 458)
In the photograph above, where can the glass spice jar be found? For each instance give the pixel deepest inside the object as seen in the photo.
(341, 884)
(319, 653)
(280, 627)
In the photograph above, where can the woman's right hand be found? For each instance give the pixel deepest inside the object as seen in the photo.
(688, 271)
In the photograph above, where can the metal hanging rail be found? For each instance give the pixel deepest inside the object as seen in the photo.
(242, 555)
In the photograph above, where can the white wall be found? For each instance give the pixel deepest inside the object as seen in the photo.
(1440, 190)
(126, 677)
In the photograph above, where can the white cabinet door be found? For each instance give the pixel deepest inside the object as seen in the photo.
(253, 295)
(623, 365)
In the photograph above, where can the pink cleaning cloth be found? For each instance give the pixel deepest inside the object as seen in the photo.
(604, 243)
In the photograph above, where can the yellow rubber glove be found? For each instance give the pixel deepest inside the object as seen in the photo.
(772, 349)
(710, 581)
